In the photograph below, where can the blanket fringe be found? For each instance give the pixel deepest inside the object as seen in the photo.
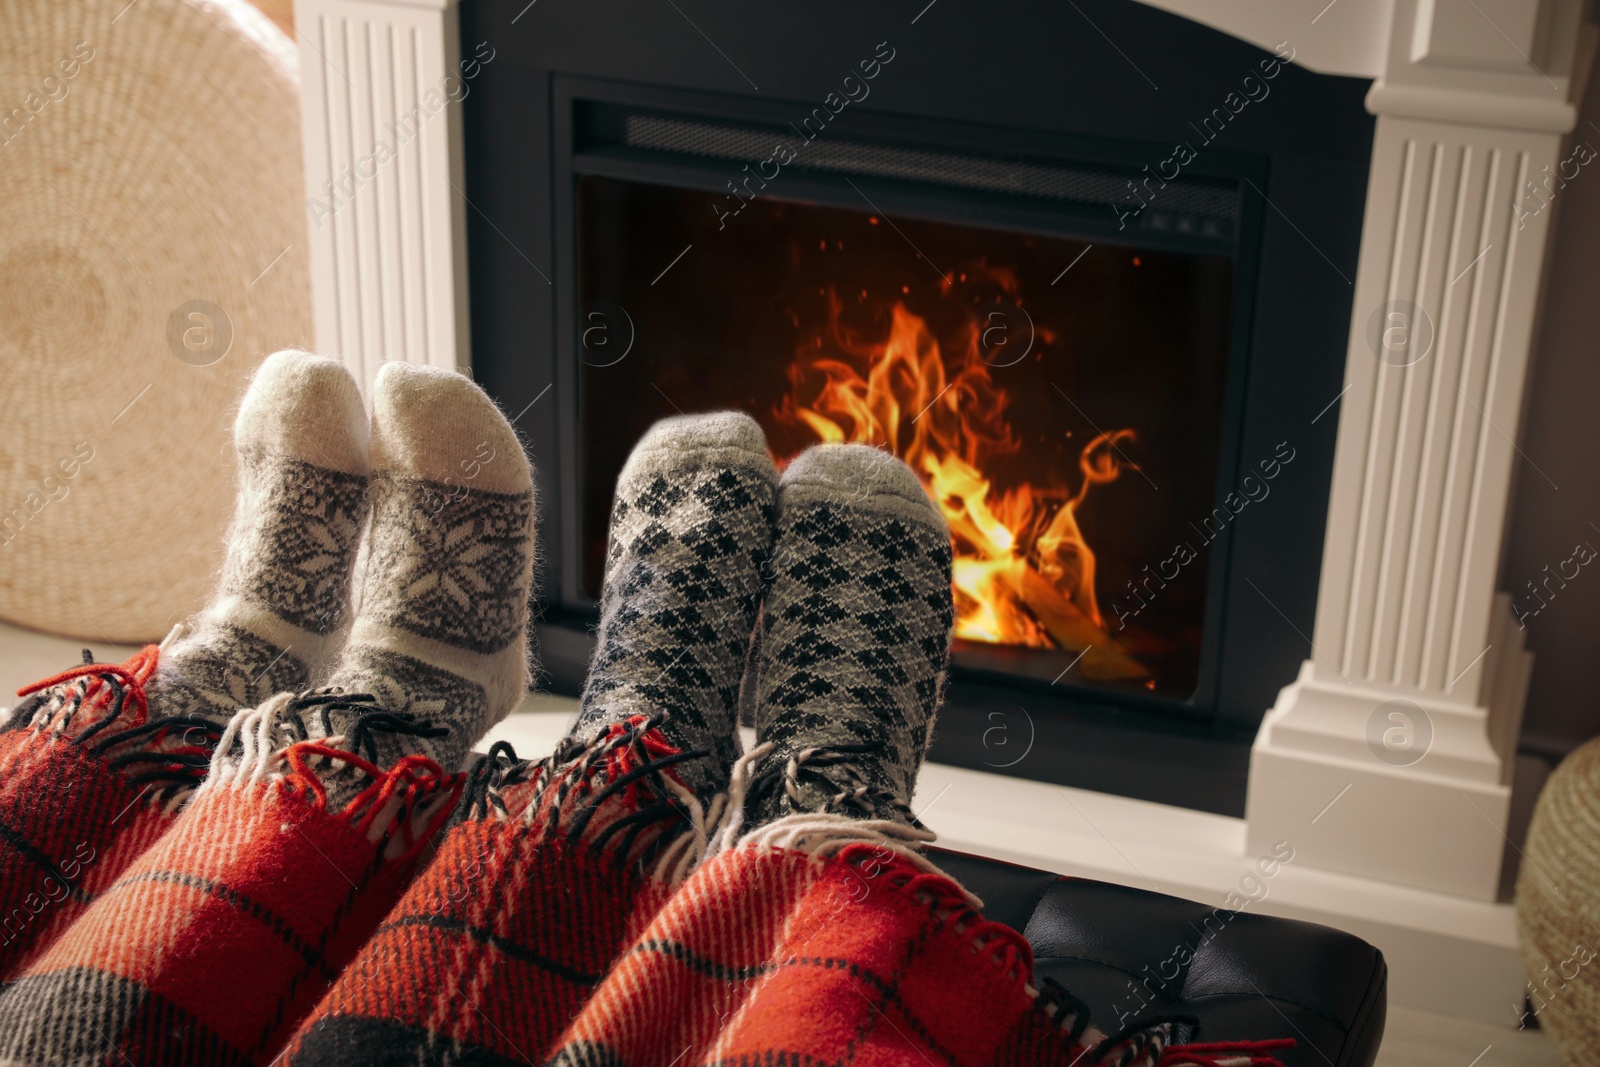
(614, 791)
(104, 708)
(835, 769)
(1227, 1054)
(818, 834)
(886, 849)
(403, 806)
(1147, 1042)
(1142, 1045)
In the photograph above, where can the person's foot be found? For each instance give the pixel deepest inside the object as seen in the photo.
(301, 437)
(440, 639)
(856, 637)
(691, 529)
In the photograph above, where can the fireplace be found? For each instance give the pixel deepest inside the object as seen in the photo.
(1109, 359)
(1070, 432)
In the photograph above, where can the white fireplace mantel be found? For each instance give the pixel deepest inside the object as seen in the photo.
(1344, 37)
(1391, 755)
(380, 87)
(1505, 63)
(1411, 639)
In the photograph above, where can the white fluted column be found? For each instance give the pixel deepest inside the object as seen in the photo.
(381, 82)
(1390, 756)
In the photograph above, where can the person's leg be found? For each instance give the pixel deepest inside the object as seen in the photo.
(691, 530)
(212, 945)
(303, 444)
(94, 761)
(856, 641)
(555, 866)
(441, 634)
(802, 901)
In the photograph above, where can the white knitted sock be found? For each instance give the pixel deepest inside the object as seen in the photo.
(440, 634)
(301, 437)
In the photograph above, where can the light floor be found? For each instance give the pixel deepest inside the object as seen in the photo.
(1422, 1039)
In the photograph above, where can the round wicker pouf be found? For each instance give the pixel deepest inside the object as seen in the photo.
(153, 250)
(1558, 907)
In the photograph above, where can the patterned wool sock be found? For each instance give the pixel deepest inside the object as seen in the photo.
(440, 636)
(691, 529)
(301, 438)
(856, 637)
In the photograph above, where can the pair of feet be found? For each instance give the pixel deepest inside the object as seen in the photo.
(438, 482)
(844, 563)
(823, 597)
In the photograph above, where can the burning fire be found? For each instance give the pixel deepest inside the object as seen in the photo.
(1023, 572)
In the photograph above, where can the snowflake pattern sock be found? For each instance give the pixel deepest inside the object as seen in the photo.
(691, 529)
(301, 437)
(440, 637)
(856, 637)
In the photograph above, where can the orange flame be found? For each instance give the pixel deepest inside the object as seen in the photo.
(1023, 573)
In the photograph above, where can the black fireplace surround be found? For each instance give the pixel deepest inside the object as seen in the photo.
(1177, 159)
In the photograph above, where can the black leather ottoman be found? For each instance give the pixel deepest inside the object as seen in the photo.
(1130, 952)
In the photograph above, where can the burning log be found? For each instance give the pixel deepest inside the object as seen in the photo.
(1105, 660)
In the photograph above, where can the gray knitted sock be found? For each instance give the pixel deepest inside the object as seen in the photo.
(856, 636)
(691, 528)
(441, 631)
(301, 437)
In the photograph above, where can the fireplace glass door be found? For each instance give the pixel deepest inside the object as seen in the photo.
(1063, 401)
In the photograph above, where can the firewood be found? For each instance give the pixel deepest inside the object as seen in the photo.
(1105, 660)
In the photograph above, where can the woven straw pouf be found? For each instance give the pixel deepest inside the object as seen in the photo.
(152, 251)
(1558, 907)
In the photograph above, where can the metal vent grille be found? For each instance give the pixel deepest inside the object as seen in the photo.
(1216, 200)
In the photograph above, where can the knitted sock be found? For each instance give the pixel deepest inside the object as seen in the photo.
(440, 635)
(691, 529)
(856, 636)
(301, 437)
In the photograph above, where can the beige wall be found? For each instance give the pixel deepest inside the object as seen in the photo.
(279, 11)
(1561, 438)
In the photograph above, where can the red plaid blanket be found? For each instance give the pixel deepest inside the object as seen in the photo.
(558, 924)
(808, 953)
(556, 927)
(87, 782)
(554, 869)
(795, 949)
(212, 945)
